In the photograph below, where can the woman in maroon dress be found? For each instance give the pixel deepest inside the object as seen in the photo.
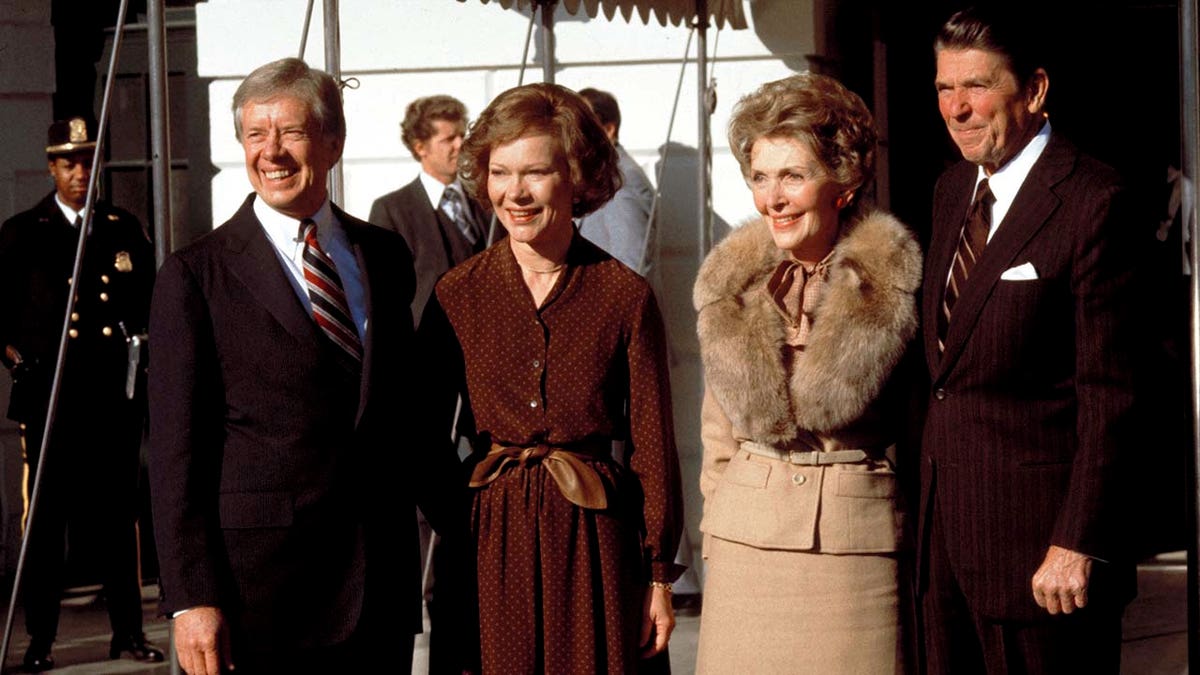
(559, 350)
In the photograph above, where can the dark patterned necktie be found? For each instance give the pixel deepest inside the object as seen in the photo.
(330, 309)
(454, 206)
(970, 246)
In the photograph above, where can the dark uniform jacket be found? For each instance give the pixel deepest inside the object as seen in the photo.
(37, 252)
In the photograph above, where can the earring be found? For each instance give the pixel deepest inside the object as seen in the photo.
(841, 202)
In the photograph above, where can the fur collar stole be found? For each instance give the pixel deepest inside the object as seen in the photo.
(864, 319)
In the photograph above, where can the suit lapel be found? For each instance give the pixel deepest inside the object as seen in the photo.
(950, 208)
(1031, 209)
(254, 262)
(360, 254)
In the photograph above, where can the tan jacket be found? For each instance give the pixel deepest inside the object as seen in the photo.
(829, 399)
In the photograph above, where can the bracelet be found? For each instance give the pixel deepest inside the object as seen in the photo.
(665, 585)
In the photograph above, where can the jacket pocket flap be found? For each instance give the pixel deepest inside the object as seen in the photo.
(241, 510)
(866, 484)
(747, 472)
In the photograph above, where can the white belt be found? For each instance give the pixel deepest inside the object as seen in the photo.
(804, 457)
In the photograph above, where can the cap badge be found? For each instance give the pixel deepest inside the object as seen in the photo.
(78, 130)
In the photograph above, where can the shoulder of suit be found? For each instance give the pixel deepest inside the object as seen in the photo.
(1098, 171)
(114, 219)
(372, 237)
(215, 240)
(42, 211)
(960, 171)
(401, 195)
(1072, 173)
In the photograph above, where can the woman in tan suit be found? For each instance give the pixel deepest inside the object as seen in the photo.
(804, 317)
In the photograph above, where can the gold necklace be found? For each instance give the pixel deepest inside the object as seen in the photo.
(552, 270)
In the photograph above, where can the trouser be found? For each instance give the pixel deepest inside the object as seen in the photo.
(88, 497)
(960, 641)
(371, 648)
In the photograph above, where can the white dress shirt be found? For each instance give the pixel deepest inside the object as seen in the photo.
(1008, 179)
(286, 239)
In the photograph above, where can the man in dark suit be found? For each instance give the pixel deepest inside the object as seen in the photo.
(279, 396)
(440, 223)
(90, 481)
(1027, 332)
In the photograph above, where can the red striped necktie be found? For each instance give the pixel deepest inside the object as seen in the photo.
(970, 246)
(330, 309)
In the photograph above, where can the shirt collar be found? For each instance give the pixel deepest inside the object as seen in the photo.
(1007, 180)
(284, 230)
(434, 188)
(69, 213)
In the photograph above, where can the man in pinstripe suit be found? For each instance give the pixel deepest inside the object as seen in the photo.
(1026, 308)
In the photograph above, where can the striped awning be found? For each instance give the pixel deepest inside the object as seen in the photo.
(722, 13)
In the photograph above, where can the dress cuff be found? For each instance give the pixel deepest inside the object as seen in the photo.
(666, 572)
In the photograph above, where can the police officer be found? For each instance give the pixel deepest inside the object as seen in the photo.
(89, 486)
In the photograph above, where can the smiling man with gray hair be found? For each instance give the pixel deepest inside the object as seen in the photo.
(278, 390)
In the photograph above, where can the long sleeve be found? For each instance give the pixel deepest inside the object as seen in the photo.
(654, 458)
(1103, 290)
(185, 445)
(438, 366)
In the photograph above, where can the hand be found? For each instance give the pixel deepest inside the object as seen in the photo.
(1061, 583)
(658, 620)
(202, 641)
(13, 356)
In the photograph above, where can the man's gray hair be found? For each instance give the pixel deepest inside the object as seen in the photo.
(293, 77)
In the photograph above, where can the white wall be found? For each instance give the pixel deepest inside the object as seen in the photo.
(399, 51)
(402, 50)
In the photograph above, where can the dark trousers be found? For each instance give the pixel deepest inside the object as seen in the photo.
(366, 651)
(89, 490)
(960, 641)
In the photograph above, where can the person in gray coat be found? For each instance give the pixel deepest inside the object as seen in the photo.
(621, 226)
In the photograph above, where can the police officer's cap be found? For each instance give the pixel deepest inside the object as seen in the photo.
(70, 135)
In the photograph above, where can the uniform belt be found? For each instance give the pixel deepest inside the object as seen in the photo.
(576, 479)
(805, 457)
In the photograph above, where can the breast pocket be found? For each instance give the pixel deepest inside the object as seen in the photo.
(1029, 321)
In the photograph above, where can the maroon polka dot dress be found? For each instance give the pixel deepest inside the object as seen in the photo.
(561, 586)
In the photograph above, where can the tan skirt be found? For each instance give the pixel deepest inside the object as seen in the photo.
(770, 611)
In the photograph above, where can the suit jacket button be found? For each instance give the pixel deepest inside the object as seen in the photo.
(73, 333)
(104, 297)
(798, 479)
(940, 394)
(74, 316)
(107, 331)
(104, 278)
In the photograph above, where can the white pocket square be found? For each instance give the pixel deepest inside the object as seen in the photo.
(1024, 272)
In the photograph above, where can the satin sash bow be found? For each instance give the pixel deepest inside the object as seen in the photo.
(576, 479)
